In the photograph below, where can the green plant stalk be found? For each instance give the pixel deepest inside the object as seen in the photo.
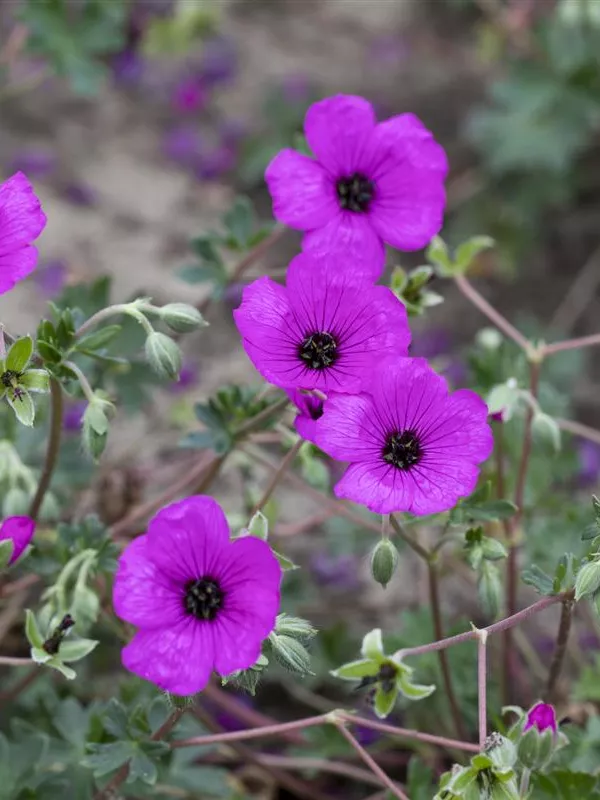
(56, 417)
(277, 476)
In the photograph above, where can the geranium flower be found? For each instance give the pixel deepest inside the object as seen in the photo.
(324, 330)
(21, 222)
(412, 445)
(311, 409)
(368, 183)
(20, 531)
(543, 717)
(201, 601)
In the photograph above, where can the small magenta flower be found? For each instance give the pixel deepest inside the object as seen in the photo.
(201, 601)
(368, 183)
(323, 330)
(412, 445)
(20, 531)
(21, 222)
(311, 409)
(543, 717)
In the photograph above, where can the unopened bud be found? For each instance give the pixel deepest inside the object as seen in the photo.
(163, 355)
(489, 338)
(296, 628)
(94, 429)
(384, 561)
(546, 432)
(501, 751)
(490, 589)
(291, 654)
(182, 318)
(535, 749)
(588, 579)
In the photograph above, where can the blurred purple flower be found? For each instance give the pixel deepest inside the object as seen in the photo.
(335, 572)
(182, 145)
(189, 95)
(188, 378)
(296, 89)
(35, 162)
(232, 296)
(589, 462)
(455, 372)
(589, 641)
(80, 195)
(232, 132)
(73, 416)
(388, 51)
(227, 720)
(128, 68)
(218, 62)
(431, 343)
(51, 278)
(215, 163)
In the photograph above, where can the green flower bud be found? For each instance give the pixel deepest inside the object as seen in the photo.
(501, 751)
(493, 550)
(588, 579)
(182, 318)
(384, 561)
(296, 628)
(489, 338)
(535, 749)
(16, 503)
(6, 551)
(291, 654)
(163, 355)
(546, 432)
(490, 589)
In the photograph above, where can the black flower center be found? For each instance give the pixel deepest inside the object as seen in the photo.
(402, 450)
(203, 598)
(355, 192)
(9, 378)
(319, 350)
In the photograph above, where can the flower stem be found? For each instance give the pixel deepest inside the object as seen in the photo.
(372, 764)
(524, 785)
(512, 565)
(571, 344)
(255, 733)
(442, 741)
(490, 312)
(9, 661)
(577, 429)
(262, 416)
(83, 381)
(562, 638)
(482, 686)
(56, 414)
(434, 599)
(277, 476)
(111, 311)
(121, 776)
(406, 537)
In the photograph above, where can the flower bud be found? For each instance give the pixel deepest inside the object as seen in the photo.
(501, 751)
(182, 318)
(588, 579)
(384, 561)
(546, 432)
(535, 749)
(489, 338)
(291, 654)
(163, 355)
(296, 628)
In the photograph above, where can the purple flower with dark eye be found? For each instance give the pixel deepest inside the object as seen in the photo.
(543, 717)
(412, 445)
(368, 184)
(325, 330)
(21, 222)
(20, 531)
(201, 601)
(311, 409)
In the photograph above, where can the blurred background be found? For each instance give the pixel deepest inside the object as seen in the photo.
(140, 122)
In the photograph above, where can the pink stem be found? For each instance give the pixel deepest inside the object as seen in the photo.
(372, 764)
(442, 741)
(257, 733)
(482, 686)
(571, 344)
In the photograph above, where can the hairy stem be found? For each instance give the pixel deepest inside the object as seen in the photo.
(578, 429)
(56, 414)
(406, 537)
(560, 649)
(434, 599)
(524, 785)
(278, 475)
(571, 344)
(407, 733)
(482, 686)
(372, 764)
(512, 564)
(256, 733)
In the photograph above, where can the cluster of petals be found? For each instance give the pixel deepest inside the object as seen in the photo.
(541, 716)
(200, 600)
(20, 531)
(21, 222)
(368, 183)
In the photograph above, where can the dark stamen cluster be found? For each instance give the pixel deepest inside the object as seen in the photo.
(402, 449)
(355, 192)
(203, 598)
(318, 350)
(9, 378)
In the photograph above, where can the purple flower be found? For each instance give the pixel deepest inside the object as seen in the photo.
(412, 445)
(200, 601)
(232, 296)
(20, 530)
(128, 67)
(73, 416)
(38, 162)
(189, 95)
(216, 162)
(21, 222)
(337, 572)
(80, 195)
(51, 278)
(542, 717)
(188, 378)
(311, 409)
(323, 330)
(218, 62)
(589, 462)
(183, 145)
(368, 184)
(296, 88)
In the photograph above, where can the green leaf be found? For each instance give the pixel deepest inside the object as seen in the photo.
(141, 767)
(540, 580)
(469, 250)
(372, 646)
(49, 352)
(384, 702)
(21, 403)
(19, 354)
(491, 511)
(115, 720)
(413, 691)
(239, 221)
(355, 670)
(32, 631)
(419, 780)
(35, 380)
(56, 663)
(566, 785)
(194, 274)
(437, 254)
(205, 247)
(259, 526)
(6, 550)
(76, 649)
(99, 339)
(106, 758)
(284, 562)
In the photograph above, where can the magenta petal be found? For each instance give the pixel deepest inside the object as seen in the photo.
(543, 717)
(20, 530)
(303, 193)
(178, 659)
(186, 538)
(351, 237)
(236, 647)
(338, 130)
(16, 265)
(143, 594)
(21, 216)
(346, 431)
